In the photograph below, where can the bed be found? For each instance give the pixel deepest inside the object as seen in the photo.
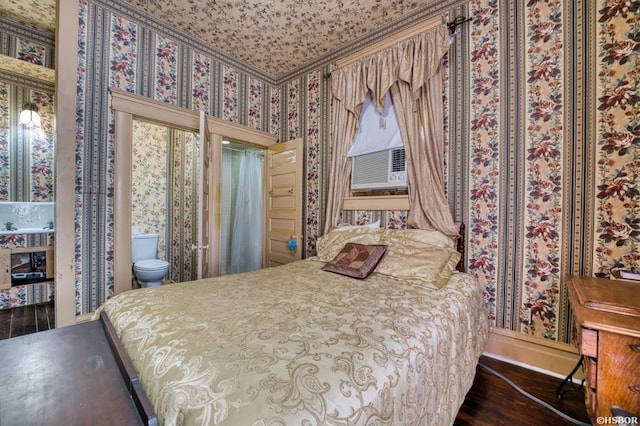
(305, 344)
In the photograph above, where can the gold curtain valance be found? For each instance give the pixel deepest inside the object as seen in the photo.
(413, 61)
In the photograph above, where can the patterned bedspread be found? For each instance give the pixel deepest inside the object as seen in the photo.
(295, 345)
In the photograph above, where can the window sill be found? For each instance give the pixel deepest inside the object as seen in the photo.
(376, 202)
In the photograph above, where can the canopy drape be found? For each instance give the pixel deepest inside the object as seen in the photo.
(412, 71)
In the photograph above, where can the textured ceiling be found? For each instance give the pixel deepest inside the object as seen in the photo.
(274, 36)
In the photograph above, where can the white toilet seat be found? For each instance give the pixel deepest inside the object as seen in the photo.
(150, 264)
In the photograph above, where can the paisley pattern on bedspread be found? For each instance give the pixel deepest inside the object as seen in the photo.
(295, 345)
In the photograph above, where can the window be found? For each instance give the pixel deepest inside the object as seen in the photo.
(376, 131)
(378, 159)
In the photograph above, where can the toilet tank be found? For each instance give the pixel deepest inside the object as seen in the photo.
(143, 246)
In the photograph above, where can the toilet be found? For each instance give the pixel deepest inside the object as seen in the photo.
(148, 270)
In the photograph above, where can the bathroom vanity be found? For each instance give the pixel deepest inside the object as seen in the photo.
(26, 253)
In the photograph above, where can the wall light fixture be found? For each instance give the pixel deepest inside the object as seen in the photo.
(29, 116)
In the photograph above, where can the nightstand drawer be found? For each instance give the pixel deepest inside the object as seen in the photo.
(620, 386)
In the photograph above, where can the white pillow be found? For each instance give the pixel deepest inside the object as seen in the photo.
(330, 244)
(375, 224)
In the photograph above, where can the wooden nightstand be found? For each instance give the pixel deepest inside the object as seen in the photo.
(607, 316)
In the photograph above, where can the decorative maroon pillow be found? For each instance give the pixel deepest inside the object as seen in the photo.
(356, 260)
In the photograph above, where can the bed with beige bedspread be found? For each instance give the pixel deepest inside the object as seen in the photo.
(297, 345)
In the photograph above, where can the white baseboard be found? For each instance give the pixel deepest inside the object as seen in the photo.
(545, 356)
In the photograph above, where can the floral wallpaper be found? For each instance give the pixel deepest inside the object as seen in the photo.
(230, 94)
(166, 77)
(274, 124)
(201, 92)
(41, 159)
(255, 104)
(618, 143)
(150, 181)
(293, 112)
(31, 52)
(27, 295)
(484, 161)
(123, 54)
(83, 291)
(183, 216)
(390, 219)
(544, 159)
(313, 160)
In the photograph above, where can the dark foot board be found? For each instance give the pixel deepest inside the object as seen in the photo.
(71, 375)
(129, 374)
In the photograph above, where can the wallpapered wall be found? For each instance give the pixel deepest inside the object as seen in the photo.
(542, 149)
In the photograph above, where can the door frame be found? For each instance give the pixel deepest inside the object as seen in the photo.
(127, 107)
(204, 199)
(219, 130)
(66, 50)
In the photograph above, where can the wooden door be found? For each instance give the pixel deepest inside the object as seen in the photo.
(204, 199)
(283, 202)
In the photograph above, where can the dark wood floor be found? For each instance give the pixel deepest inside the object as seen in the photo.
(29, 319)
(490, 402)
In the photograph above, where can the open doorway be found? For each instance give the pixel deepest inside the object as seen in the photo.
(242, 208)
(164, 194)
(283, 184)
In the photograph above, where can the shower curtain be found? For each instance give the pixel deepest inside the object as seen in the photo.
(246, 242)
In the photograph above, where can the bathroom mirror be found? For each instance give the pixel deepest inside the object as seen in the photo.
(26, 153)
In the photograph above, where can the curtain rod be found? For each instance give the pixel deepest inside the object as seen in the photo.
(247, 150)
(456, 22)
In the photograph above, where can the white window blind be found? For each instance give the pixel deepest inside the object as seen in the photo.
(376, 131)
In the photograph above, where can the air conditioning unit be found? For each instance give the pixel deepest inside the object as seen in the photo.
(379, 171)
